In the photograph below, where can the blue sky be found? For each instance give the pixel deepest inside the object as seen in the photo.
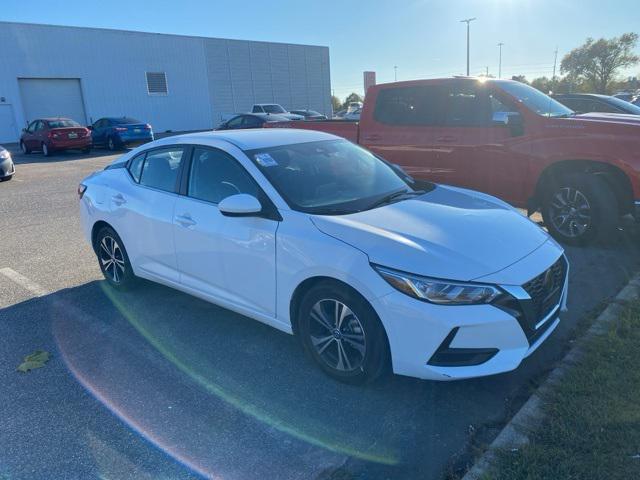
(424, 38)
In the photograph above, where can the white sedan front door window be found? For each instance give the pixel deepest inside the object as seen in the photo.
(230, 258)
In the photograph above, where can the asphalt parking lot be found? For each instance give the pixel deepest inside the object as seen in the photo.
(154, 383)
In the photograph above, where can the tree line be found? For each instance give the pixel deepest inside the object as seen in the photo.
(593, 67)
(338, 105)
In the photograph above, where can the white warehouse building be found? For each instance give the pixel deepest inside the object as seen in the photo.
(173, 82)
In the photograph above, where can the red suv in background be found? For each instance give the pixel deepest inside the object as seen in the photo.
(55, 134)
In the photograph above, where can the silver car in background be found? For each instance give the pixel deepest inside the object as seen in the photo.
(7, 168)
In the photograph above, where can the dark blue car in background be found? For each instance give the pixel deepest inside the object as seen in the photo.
(120, 132)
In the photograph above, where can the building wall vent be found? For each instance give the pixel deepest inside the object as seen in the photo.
(157, 83)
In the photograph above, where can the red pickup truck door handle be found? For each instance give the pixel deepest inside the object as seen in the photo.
(447, 139)
(372, 138)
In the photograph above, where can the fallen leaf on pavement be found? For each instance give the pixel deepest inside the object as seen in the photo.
(35, 360)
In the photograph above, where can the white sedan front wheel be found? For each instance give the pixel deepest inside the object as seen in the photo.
(342, 333)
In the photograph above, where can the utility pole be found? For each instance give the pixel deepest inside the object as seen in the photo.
(395, 73)
(468, 21)
(553, 78)
(500, 60)
(486, 74)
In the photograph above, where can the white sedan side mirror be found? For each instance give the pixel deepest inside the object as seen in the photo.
(240, 205)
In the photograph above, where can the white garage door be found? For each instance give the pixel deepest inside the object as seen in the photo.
(52, 97)
(8, 130)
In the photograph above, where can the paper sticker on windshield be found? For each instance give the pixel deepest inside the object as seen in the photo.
(265, 160)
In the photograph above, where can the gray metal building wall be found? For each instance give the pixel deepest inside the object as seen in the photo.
(208, 79)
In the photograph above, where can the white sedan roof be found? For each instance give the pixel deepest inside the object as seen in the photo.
(251, 139)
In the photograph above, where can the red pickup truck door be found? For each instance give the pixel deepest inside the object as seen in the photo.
(474, 151)
(399, 126)
(444, 132)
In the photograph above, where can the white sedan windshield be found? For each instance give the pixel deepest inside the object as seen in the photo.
(327, 176)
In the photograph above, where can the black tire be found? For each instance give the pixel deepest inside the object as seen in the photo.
(45, 150)
(123, 278)
(86, 150)
(587, 205)
(111, 144)
(26, 150)
(360, 341)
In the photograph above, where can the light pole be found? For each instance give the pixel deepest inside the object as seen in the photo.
(553, 78)
(395, 73)
(468, 21)
(500, 60)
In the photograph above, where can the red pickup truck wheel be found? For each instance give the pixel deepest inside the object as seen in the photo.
(580, 208)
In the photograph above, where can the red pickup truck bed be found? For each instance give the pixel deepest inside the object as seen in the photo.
(341, 128)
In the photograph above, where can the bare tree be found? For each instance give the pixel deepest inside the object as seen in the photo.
(598, 61)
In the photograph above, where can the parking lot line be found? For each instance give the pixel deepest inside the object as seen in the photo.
(23, 281)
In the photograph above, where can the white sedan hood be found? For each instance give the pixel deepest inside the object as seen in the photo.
(448, 233)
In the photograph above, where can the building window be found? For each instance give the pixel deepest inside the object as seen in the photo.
(157, 83)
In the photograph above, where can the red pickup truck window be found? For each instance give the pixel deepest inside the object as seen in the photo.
(456, 105)
(467, 106)
(422, 105)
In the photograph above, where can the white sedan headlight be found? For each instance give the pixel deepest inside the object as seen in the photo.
(4, 154)
(441, 292)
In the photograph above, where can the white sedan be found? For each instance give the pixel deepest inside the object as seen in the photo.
(317, 237)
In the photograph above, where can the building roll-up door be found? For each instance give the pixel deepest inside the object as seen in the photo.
(52, 97)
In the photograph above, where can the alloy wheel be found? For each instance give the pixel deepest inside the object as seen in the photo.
(112, 259)
(23, 147)
(45, 150)
(111, 145)
(570, 212)
(337, 336)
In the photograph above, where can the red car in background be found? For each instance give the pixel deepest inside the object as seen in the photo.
(55, 134)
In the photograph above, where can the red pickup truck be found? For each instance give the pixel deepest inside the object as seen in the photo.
(507, 139)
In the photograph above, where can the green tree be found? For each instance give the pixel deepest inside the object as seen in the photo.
(520, 78)
(626, 84)
(335, 103)
(354, 97)
(598, 61)
(570, 84)
(543, 84)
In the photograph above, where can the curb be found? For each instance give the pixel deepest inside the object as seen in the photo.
(516, 433)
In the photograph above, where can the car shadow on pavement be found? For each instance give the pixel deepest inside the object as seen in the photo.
(220, 394)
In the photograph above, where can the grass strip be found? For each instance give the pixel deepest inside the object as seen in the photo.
(591, 427)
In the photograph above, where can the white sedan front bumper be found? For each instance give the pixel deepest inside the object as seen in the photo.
(417, 330)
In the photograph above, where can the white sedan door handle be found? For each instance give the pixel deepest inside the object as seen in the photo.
(118, 199)
(185, 220)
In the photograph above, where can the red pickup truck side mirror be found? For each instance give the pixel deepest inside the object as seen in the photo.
(513, 120)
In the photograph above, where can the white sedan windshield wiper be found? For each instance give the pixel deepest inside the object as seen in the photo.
(396, 196)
